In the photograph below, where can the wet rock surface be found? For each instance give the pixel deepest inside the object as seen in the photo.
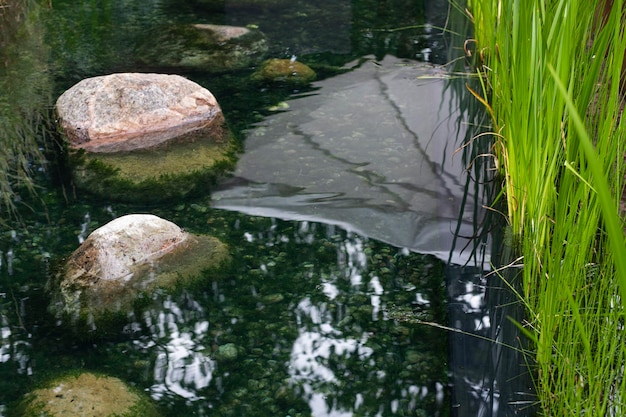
(144, 137)
(130, 111)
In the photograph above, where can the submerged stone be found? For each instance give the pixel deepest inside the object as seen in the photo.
(86, 394)
(286, 71)
(126, 259)
(144, 137)
(227, 352)
(206, 47)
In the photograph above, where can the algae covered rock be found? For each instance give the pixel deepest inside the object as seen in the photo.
(205, 47)
(154, 176)
(124, 260)
(144, 137)
(227, 352)
(87, 395)
(284, 71)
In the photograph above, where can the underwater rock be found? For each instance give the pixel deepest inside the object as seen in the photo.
(144, 137)
(130, 111)
(124, 260)
(227, 352)
(206, 47)
(86, 394)
(286, 71)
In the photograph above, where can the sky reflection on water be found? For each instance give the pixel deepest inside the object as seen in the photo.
(326, 348)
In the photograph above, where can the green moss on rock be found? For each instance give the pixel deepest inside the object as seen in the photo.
(85, 394)
(154, 175)
(284, 71)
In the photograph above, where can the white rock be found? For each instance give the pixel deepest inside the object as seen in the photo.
(112, 251)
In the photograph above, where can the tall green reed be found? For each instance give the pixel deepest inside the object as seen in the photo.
(551, 76)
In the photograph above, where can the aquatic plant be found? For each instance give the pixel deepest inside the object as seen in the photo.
(550, 74)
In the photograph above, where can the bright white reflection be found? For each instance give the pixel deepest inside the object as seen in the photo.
(181, 367)
(322, 340)
(312, 348)
(377, 289)
(14, 350)
(5, 347)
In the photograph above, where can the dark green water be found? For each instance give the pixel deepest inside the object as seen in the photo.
(322, 319)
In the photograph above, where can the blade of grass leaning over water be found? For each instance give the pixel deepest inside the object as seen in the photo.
(553, 71)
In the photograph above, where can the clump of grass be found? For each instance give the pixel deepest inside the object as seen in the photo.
(24, 97)
(551, 83)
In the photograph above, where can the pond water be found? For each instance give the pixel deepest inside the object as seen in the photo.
(348, 219)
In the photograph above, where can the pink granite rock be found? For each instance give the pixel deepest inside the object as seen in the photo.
(130, 111)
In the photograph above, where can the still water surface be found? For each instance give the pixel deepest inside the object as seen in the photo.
(341, 218)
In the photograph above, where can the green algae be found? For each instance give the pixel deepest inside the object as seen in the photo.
(82, 394)
(157, 175)
(285, 71)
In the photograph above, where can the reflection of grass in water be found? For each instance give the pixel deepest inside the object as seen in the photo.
(24, 92)
(556, 111)
(193, 156)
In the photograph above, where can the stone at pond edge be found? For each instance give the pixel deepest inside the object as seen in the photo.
(206, 47)
(86, 394)
(124, 260)
(285, 71)
(145, 137)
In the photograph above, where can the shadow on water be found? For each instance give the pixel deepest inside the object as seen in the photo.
(349, 220)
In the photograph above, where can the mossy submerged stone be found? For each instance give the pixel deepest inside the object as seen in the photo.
(227, 352)
(154, 175)
(285, 71)
(86, 394)
(206, 47)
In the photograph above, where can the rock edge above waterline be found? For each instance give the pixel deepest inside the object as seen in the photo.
(130, 111)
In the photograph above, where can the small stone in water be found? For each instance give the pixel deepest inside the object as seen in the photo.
(227, 352)
(283, 105)
(274, 298)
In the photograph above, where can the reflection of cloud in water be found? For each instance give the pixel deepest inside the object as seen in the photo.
(312, 348)
(181, 367)
(13, 349)
(324, 340)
